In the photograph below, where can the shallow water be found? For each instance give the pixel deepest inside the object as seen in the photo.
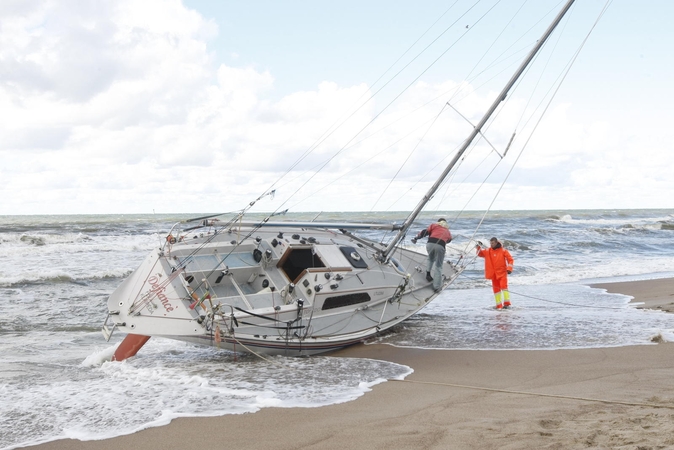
(542, 317)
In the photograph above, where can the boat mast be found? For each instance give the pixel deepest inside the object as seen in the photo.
(478, 128)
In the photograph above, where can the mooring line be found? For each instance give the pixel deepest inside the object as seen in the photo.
(538, 394)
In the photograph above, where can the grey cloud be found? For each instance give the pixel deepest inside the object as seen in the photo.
(18, 7)
(36, 139)
(70, 58)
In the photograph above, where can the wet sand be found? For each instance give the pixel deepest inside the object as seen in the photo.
(654, 294)
(557, 399)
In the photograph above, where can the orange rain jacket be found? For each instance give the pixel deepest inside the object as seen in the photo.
(497, 262)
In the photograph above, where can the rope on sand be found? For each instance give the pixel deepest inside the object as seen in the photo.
(537, 394)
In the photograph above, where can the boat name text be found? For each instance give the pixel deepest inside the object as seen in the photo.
(159, 292)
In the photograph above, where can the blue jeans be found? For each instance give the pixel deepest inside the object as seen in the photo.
(436, 256)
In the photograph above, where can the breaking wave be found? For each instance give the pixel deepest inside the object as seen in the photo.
(59, 277)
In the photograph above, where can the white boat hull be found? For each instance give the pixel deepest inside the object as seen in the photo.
(275, 291)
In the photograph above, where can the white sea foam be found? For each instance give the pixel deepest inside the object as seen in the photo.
(168, 380)
(99, 357)
(61, 276)
(615, 221)
(667, 335)
(568, 271)
(47, 244)
(70, 262)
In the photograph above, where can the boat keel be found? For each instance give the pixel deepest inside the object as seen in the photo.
(129, 346)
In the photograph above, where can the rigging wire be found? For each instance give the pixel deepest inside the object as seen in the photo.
(492, 120)
(477, 190)
(457, 89)
(318, 143)
(559, 37)
(484, 55)
(321, 140)
(456, 92)
(425, 175)
(324, 136)
(414, 149)
(559, 85)
(486, 128)
(540, 118)
(392, 123)
(316, 191)
(388, 105)
(517, 126)
(501, 159)
(312, 148)
(392, 101)
(451, 175)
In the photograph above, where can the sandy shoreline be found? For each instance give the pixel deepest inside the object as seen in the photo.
(654, 294)
(443, 403)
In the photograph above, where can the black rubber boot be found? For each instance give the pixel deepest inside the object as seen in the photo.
(428, 276)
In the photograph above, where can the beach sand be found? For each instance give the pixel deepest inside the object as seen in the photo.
(466, 400)
(654, 294)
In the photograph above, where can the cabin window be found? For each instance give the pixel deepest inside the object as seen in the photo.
(345, 300)
(297, 260)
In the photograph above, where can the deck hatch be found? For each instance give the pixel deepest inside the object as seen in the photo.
(354, 257)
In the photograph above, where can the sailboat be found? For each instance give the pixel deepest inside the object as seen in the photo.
(276, 287)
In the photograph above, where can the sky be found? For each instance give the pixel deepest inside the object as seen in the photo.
(194, 106)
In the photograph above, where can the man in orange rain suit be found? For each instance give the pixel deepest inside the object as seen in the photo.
(498, 263)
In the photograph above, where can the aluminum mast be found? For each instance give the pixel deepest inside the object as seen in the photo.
(410, 219)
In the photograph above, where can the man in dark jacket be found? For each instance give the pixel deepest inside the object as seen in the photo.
(438, 236)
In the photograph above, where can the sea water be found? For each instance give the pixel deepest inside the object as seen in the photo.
(56, 273)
